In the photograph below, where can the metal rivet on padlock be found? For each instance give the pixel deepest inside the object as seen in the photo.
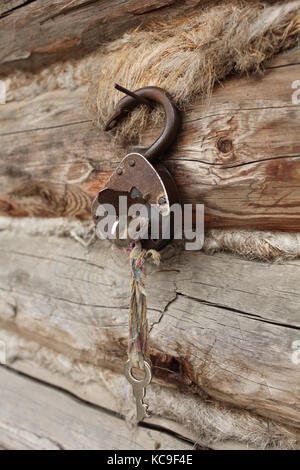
(142, 177)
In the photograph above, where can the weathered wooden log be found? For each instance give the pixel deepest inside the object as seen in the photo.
(52, 420)
(45, 31)
(219, 324)
(237, 153)
(34, 34)
(224, 331)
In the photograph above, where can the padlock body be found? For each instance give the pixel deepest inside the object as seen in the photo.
(141, 183)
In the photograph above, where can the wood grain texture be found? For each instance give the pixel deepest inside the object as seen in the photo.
(219, 324)
(49, 419)
(238, 153)
(9, 6)
(40, 31)
(44, 31)
(222, 329)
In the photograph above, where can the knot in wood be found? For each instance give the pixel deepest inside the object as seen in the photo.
(224, 145)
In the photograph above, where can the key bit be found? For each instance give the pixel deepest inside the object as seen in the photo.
(139, 389)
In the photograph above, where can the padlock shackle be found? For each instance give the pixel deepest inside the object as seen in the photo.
(172, 118)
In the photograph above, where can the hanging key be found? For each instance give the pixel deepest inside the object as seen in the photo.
(139, 389)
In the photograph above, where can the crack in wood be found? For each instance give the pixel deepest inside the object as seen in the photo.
(97, 407)
(23, 4)
(224, 166)
(251, 316)
(290, 64)
(38, 129)
(235, 110)
(69, 8)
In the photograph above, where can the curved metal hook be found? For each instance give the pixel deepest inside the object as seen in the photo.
(147, 95)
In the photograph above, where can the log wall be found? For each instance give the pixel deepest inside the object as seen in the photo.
(238, 153)
(224, 330)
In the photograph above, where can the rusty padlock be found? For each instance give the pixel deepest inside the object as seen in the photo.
(142, 177)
